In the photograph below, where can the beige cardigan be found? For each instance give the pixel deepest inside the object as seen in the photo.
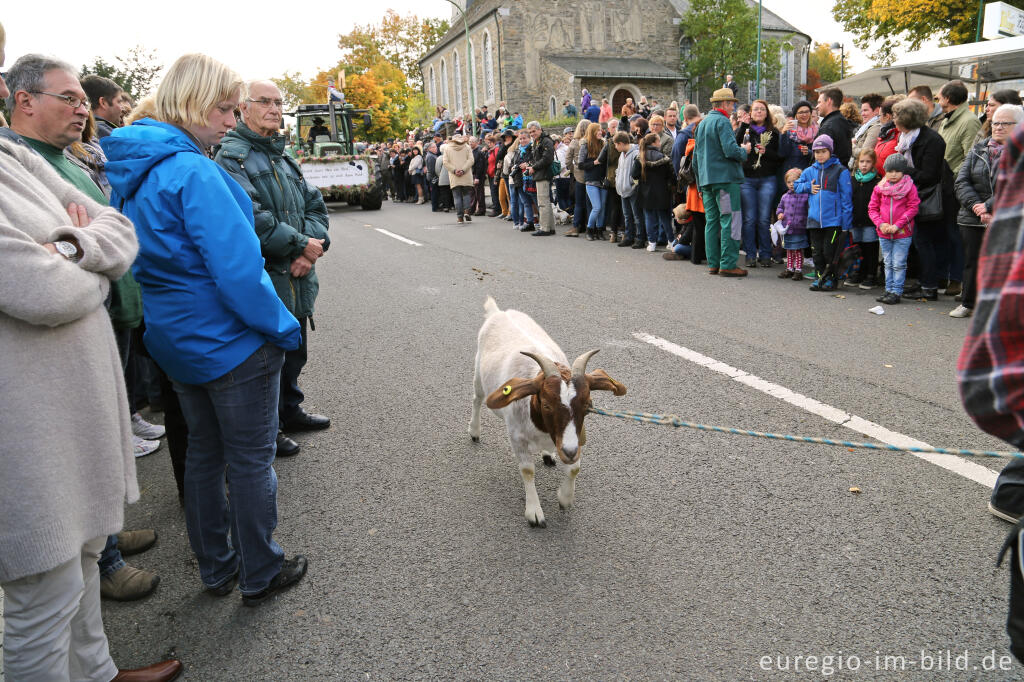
(458, 157)
(67, 465)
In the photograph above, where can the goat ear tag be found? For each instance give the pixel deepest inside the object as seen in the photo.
(507, 390)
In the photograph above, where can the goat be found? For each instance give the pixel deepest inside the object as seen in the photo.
(509, 345)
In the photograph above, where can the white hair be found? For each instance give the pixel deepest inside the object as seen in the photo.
(534, 124)
(1015, 109)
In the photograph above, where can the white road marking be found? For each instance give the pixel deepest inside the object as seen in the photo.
(397, 236)
(957, 465)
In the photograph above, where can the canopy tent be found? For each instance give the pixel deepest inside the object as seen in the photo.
(984, 62)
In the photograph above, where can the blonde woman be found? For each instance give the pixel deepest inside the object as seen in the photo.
(593, 175)
(213, 321)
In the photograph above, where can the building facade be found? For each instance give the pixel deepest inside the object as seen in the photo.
(535, 54)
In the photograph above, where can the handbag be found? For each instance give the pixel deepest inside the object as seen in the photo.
(931, 203)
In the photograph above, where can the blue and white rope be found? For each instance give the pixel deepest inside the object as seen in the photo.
(673, 420)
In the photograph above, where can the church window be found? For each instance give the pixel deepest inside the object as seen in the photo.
(552, 108)
(444, 85)
(488, 69)
(433, 87)
(458, 83)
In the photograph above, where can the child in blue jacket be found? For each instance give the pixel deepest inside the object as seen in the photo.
(829, 210)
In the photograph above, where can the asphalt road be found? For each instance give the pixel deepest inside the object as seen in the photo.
(686, 556)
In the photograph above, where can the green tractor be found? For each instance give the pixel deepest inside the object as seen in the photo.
(322, 143)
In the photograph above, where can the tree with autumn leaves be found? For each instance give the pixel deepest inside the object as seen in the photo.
(824, 67)
(381, 73)
(885, 27)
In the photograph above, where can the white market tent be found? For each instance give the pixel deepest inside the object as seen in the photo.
(973, 63)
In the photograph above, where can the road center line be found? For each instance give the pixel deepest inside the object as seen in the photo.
(957, 465)
(397, 236)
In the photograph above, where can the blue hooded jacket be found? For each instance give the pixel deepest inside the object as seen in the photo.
(832, 206)
(208, 302)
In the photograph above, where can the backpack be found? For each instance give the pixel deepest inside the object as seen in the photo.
(687, 173)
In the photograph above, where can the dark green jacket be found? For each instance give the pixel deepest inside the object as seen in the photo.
(719, 160)
(288, 210)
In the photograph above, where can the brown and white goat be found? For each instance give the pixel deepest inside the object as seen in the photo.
(510, 346)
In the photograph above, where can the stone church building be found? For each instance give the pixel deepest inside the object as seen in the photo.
(535, 54)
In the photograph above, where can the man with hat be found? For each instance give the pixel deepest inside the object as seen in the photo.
(318, 129)
(719, 163)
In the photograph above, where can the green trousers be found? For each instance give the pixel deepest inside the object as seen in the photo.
(724, 224)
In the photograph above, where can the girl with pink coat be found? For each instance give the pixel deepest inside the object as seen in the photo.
(893, 207)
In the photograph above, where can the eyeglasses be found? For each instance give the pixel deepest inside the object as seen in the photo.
(70, 100)
(1003, 124)
(266, 102)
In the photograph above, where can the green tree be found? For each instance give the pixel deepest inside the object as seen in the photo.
(134, 72)
(829, 66)
(721, 39)
(295, 90)
(400, 40)
(884, 27)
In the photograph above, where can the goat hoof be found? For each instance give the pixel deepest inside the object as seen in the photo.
(549, 461)
(476, 439)
(539, 524)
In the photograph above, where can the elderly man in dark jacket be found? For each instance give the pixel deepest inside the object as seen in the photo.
(291, 222)
(542, 155)
(479, 175)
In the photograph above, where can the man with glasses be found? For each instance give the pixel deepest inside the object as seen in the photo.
(291, 222)
(49, 109)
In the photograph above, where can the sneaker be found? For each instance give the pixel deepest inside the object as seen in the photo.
(751, 263)
(816, 285)
(143, 429)
(926, 295)
(528, 227)
(291, 572)
(765, 263)
(868, 284)
(852, 283)
(960, 311)
(828, 285)
(144, 447)
(128, 584)
(468, 218)
(652, 246)
(1003, 514)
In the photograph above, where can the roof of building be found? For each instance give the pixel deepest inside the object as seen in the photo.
(613, 67)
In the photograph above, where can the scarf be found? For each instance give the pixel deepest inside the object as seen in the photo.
(906, 141)
(864, 128)
(758, 129)
(995, 151)
(807, 135)
(864, 177)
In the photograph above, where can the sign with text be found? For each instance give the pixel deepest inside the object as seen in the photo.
(340, 173)
(1002, 21)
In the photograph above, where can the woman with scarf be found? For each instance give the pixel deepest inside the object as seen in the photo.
(801, 131)
(758, 190)
(975, 184)
(925, 150)
(888, 135)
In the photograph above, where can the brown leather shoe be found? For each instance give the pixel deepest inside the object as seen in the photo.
(733, 272)
(164, 671)
(131, 542)
(712, 271)
(128, 584)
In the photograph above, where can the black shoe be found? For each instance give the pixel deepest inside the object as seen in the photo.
(909, 292)
(292, 571)
(751, 263)
(286, 447)
(926, 295)
(591, 236)
(881, 299)
(639, 244)
(626, 242)
(304, 421)
(543, 233)
(891, 298)
(225, 588)
(764, 263)
(528, 227)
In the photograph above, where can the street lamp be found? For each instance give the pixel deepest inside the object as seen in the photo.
(757, 86)
(472, 80)
(842, 58)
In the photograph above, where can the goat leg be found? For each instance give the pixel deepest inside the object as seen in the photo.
(534, 513)
(567, 491)
(478, 400)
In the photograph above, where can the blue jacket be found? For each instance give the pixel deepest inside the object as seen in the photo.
(832, 206)
(592, 113)
(679, 146)
(207, 300)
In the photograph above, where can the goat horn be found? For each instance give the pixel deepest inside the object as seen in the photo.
(579, 367)
(545, 364)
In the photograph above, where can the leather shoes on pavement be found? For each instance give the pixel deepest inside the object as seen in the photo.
(732, 272)
(286, 447)
(291, 572)
(131, 542)
(304, 421)
(164, 671)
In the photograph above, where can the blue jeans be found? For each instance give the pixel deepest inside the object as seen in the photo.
(110, 558)
(579, 216)
(632, 217)
(522, 204)
(757, 195)
(565, 201)
(232, 424)
(596, 196)
(894, 253)
(658, 218)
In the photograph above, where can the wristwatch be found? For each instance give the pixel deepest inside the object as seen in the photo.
(68, 250)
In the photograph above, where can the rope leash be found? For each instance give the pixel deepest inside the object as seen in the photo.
(673, 420)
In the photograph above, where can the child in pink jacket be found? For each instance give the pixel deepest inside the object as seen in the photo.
(893, 206)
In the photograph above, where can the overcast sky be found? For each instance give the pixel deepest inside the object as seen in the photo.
(260, 43)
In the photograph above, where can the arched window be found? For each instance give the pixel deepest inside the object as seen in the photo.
(458, 83)
(432, 87)
(786, 76)
(445, 102)
(472, 70)
(488, 69)
(552, 108)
